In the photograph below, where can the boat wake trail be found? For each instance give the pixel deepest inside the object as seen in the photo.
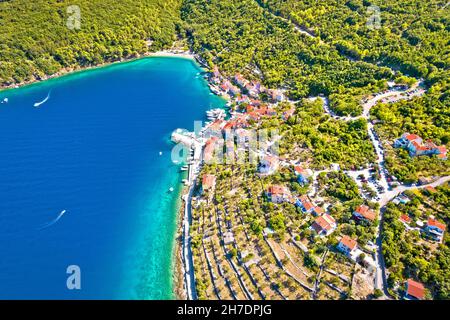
(49, 224)
(37, 104)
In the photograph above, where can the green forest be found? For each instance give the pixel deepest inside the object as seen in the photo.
(409, 35)
(239, 35)
(35, 39)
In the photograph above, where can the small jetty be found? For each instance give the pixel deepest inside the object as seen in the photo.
(215, 114)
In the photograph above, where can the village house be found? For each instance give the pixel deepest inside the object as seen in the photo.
(210, 147)
(279, 194)
(216, 76)
(231, 124)
(240, 80)
(240, 121)
(347, 245)
(288, 113)
(242, 99)
(229, 88)
(253, 89)
(317, 211)
(417, 147)
(225, 86)
(430, 189)
(268, 165)
(229, 151)
(303, 175)
(324, 225)
(255, 102)
(208, 183)
(234, 91)
(364, 213)
(405, 219)
(255, 116)
(242, 136)
(435, 229)
(305, 204)
(276, 95)
(215, 129)
(414, 290)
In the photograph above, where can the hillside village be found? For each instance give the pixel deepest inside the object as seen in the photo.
(269, 225)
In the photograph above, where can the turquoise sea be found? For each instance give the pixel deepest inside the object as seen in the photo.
(93, 150)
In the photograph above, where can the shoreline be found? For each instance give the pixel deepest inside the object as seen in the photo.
(169, 53)
(179, 289)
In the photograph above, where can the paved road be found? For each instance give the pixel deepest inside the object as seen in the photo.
(189, 277)
(381, 277)
(388, 195)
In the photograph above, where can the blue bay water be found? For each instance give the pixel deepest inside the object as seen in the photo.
(93, 150)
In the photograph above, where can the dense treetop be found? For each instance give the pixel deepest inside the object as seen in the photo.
(35, 40)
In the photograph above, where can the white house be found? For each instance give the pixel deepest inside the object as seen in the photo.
(347, 245)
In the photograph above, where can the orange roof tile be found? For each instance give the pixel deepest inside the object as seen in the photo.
(405, 218)
(325, 222)
(415, 289)
(208, 181)
(434, 223)
(366, 212)
(319, 210)
(412, 137)
(349, 242)
(276, 189)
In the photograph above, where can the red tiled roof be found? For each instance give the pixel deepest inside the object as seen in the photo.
(415, 289)
(412, 137)
(278, 190)
(230, 125)
(405, 218)
(308, 205)
(436, 224)
(208, 181)
(430, 189)
(420, 147)
(325, 222)
(349, 242)
(319, 210)
(210, 146)
(366, 212)
(254, 115)
(299, 170)
(216, 125)
(304, 198)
